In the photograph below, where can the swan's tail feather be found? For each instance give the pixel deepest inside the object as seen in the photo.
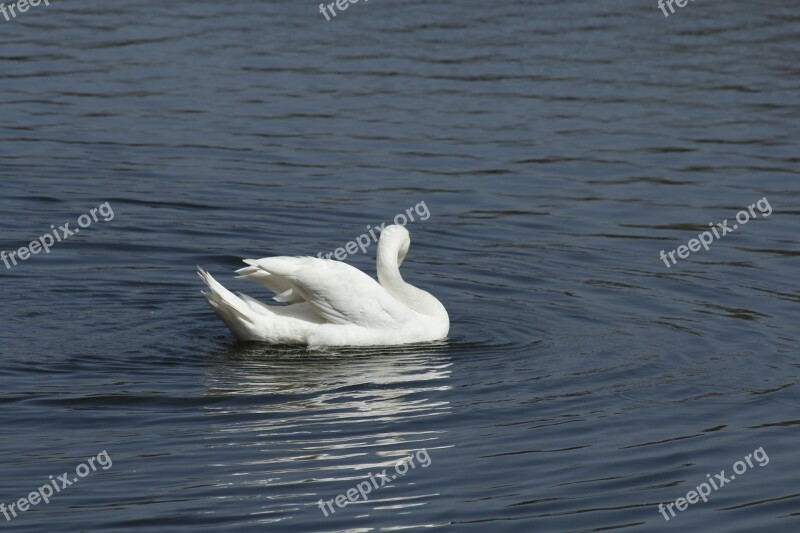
(255, 305)
(236, 312)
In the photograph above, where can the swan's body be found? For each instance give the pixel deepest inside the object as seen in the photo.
(332, 303)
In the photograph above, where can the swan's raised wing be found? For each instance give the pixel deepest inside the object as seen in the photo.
(281, 286)
(338, 292)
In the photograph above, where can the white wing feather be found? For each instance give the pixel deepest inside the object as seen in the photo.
(338, 292)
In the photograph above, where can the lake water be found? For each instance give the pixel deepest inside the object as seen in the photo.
(558, 146)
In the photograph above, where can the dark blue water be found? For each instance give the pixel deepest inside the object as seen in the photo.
(559, 146)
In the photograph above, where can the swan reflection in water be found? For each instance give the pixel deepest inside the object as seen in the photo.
(310, 424)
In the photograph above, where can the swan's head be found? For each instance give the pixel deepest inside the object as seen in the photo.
(394, 240)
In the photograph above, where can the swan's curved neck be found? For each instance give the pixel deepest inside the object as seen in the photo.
(389, 277)
(389, 273)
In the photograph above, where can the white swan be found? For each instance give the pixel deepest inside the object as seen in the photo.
(332, 303)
